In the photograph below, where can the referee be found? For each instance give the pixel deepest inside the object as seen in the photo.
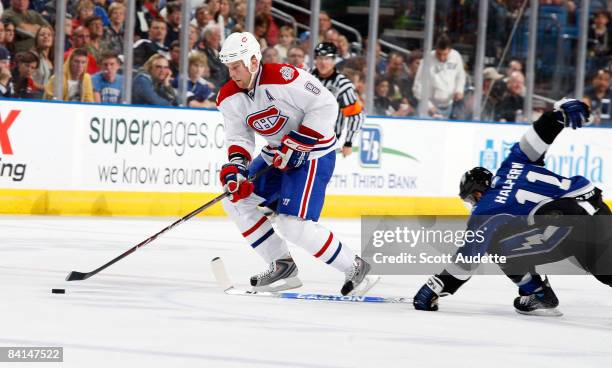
(351, 111)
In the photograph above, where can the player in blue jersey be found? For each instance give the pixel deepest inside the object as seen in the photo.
(525, 205)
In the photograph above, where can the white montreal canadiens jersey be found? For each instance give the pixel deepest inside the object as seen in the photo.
(284, 99)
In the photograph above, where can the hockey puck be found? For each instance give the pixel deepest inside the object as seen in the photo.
(58, 291)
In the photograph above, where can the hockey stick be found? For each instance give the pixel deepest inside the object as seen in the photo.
(77, 276)
(220, 273)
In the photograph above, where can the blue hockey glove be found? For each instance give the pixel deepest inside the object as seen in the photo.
(294, 150)
(571, 112)
(427, 297)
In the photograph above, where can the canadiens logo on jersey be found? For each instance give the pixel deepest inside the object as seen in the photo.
(267, 122)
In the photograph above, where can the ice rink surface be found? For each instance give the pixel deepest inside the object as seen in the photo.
(161, 307)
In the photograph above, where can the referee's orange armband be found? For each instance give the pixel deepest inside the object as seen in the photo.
(353, 109)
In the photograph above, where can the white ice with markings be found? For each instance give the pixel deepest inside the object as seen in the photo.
(160, 307)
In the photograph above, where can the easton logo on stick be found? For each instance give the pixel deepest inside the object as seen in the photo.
(267, 122)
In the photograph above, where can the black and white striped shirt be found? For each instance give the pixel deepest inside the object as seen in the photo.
(350, 112)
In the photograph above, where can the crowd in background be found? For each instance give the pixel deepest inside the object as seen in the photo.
(92, 69)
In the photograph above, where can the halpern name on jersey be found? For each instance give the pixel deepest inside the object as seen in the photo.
(513, 174)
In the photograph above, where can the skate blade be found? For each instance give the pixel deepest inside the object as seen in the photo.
(551, 312)
(280, 285)
(365, 286)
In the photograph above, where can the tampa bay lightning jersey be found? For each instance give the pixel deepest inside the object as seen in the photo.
(516, 190)
(520, 184)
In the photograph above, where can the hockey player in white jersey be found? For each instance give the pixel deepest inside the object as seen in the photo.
(295, 114)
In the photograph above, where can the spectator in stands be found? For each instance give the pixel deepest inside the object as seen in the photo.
(285, 41)
(344, 48)
(325, 24)
(446, 78)
(200, 92)
(332, 35)
(295, 57)
(193, 37)
(108, 84)
(383, 105)
(1, 34)
(225, 14)
(152, 84)
(600, 41)
(26, 65)
(490, 75)
(114, 33)
(491, 79)
(175, 57)
(240, 12)
(173, 21)
(84, 11)
(77, 85)
(202, 18)
(498, 86)
(211, 46)
(27, 23)
(80, 39)
(270, 55)
(414, 61)
(43, 49)
(9, 36)
(514, 65)
(6, 83)
(264, 8)
(262, 24)
(510, 107)
(96, 32)
(213, 6)
(599, 91)
(154, 44)
(397, 77)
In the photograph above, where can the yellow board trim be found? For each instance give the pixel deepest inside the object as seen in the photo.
(98, 203)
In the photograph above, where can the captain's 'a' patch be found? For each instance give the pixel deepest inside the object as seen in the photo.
(270, 98)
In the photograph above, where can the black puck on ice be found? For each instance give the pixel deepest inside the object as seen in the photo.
(58, 291)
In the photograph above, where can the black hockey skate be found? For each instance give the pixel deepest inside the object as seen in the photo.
(357, 282)
(281, 275)
(540, 303)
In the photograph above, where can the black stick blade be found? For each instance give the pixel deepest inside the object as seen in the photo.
(76, 276)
